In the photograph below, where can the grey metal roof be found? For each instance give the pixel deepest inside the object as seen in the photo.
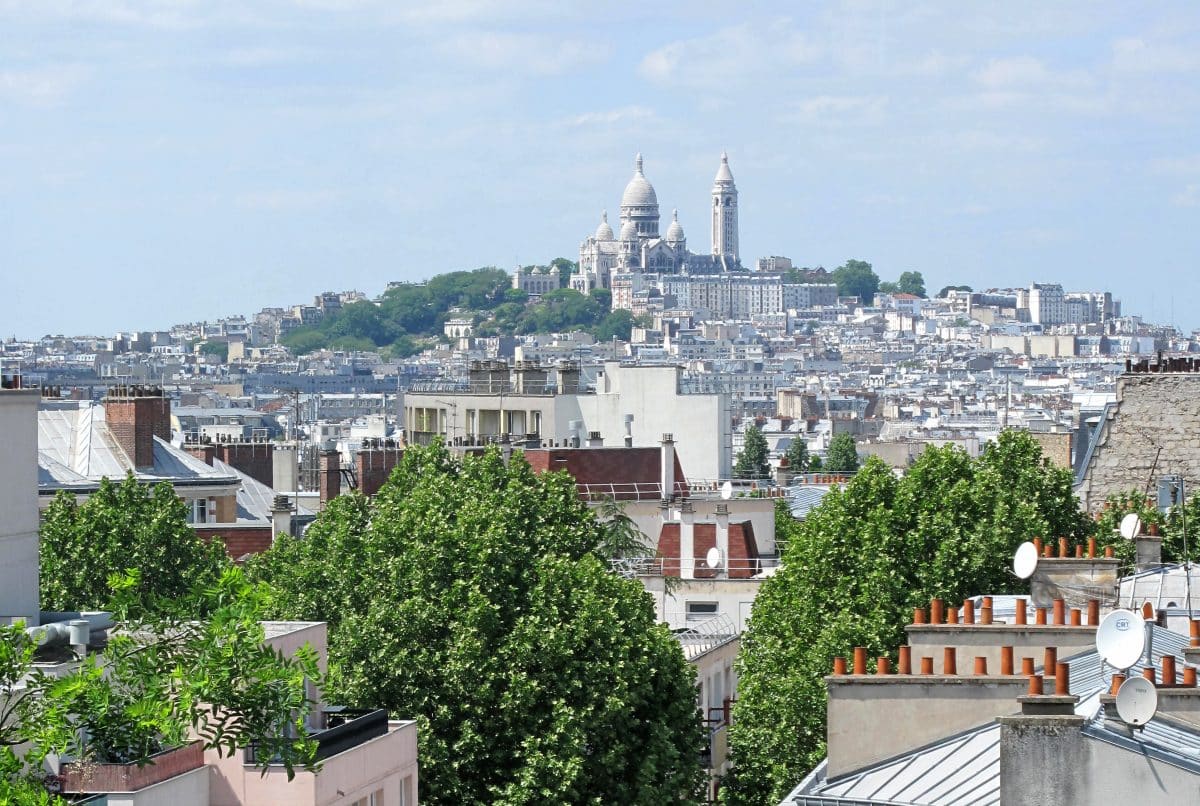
(803, 498)
(965, 768)
(76, 450)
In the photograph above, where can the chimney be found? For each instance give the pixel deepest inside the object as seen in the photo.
(135, 415)
(595, 440)
(628, 430)
(281, 516)
(573, 429)
(284, 470)
(329, 481)
(722, 518)
(204, 451)
(666, 468)
(1149, 552)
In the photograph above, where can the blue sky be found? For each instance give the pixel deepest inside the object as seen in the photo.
(177, 160)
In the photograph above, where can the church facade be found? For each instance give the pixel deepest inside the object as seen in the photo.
(637, 256)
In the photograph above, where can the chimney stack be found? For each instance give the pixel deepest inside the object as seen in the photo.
(329, 481)
(666, 470)
(135, 416)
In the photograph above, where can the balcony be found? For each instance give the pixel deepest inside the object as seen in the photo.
(340, 729)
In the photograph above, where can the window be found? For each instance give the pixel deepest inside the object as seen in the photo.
(700, 611)
(406, 792)
(204, 510)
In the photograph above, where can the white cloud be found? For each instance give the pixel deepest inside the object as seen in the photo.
(42, 86)
(535, 54)
(1137, 56)
(1025, 73)
(1188, 197)
(730, 55)
(610, 117)
(837, 109)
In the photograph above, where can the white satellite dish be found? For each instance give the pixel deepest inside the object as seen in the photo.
(1137, 701)
(1025, 560)
(713, 558)
(727, 490)
(1131, 526)
(1121, 638)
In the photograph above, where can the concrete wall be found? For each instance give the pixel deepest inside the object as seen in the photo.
(19, 505)
(872, 718)
(187, 789)
(1047, 759)
(1153, 410)
(1074, 580)
(734, 598)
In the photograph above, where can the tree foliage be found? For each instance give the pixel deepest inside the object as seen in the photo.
(856, 278)
(160, 680)
(797, 454)
(752, 462)
(842, 454)
(853, 570)
(911, 282)
(473, 595)
(122, 526)
(946, 289)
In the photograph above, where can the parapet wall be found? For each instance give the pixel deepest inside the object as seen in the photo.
(1154, 410)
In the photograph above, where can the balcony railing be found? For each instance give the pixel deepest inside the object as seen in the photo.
(341, 729)
(731, 568)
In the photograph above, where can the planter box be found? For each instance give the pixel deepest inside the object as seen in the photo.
(78, 777)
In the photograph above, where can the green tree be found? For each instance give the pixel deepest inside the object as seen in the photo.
(842, 455)
(603, 298)
(565, 269)
(911, 282)
(946, 289)
(888, 287)
(875, 548)
(218, 348)
(536, 674)
(855, 278)
(160, 680)
(752, 462)
(616, 325)
(797, 454)
(121, 527)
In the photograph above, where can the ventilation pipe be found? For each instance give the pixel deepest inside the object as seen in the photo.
(628, 430)
(574, 427)
(595, 440)
(666, 470)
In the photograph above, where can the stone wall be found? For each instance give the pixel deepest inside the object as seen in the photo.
(1154, 410)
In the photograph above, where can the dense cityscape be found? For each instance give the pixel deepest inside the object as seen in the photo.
(666, 519)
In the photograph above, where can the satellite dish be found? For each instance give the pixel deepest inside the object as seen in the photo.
(1131, 526)
(1121, 638)
(1025, 560)
(713, 558)
(1137, 701)
(727, 490)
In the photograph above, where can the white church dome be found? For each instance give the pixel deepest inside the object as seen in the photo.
(639, 192)
(629, 231)
(604, 232)
(675, 231)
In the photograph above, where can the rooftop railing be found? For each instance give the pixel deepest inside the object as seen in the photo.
(341, 729)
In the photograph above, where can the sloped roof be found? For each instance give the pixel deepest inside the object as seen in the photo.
(965, 768)
(76, 451)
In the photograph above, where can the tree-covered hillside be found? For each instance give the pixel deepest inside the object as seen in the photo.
(410, 316)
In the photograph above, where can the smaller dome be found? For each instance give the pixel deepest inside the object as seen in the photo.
(604, 232)
(629, 231)
(675, 231)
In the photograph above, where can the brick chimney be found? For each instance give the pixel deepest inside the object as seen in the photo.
(135, 416)
(329, 476)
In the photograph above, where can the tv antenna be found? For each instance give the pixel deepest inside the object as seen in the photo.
(1121, 638)
(1137, 701)
(1025, 560)
(713, 558)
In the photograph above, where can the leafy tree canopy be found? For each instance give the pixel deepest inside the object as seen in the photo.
(842, 454)
(911, 282)
(752, 462)
(122, 526)
(856, 278)
(946, 289)
(875, 549)
(797, 454)
(537, 675)
(218, 348)
(160, 680)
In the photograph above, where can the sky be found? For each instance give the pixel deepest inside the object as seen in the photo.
(167, 161)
